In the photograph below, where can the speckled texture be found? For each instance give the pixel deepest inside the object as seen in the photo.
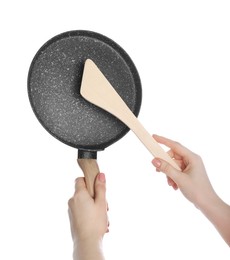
(54, 88)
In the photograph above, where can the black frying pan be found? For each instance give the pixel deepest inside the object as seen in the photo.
(54, 82)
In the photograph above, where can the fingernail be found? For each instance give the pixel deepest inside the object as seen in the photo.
(101, 177)
(156, 162)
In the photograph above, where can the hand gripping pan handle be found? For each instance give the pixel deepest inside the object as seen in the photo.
(96, 89)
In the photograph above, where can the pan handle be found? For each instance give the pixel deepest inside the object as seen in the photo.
(90, 169)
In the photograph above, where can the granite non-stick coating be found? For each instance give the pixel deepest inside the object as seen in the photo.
(54, 81)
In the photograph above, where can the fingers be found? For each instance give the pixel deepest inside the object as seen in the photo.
(176, 147)
(166, 168)
(100, 186)
(172, 183)
(100, 195)
(177, 152)
(80, 184)
(100, 189)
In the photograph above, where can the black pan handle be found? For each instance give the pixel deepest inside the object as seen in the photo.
(90, 169)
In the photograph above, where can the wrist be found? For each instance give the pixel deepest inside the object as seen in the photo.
(85, 241)
(209, 202)
(88, 248)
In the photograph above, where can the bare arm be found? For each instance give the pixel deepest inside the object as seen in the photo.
(218, 212)
(88, 220)
(195, 185)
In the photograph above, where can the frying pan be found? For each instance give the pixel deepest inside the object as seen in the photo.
(54, 81)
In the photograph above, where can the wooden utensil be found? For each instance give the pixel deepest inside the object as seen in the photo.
(96, 89)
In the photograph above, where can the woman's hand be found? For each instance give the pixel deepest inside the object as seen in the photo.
(88, 219)
(194, 183)
(192, 180)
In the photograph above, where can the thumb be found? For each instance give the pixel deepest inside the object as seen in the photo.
(166, 168)
(100, 188)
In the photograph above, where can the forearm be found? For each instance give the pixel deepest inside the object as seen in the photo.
(88, 250)
(218, 212)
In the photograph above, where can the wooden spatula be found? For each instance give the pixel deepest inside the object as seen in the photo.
(96, 89)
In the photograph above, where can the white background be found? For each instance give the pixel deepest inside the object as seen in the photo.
(181, 50)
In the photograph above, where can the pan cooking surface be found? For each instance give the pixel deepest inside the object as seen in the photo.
(54, 88)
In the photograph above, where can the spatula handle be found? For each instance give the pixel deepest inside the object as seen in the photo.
(90, 169)
(151, 144)
(97, 89)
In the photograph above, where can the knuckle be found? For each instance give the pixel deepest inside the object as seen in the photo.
(100, 186)
(165, 167)
(70, 202)
(197, 157)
